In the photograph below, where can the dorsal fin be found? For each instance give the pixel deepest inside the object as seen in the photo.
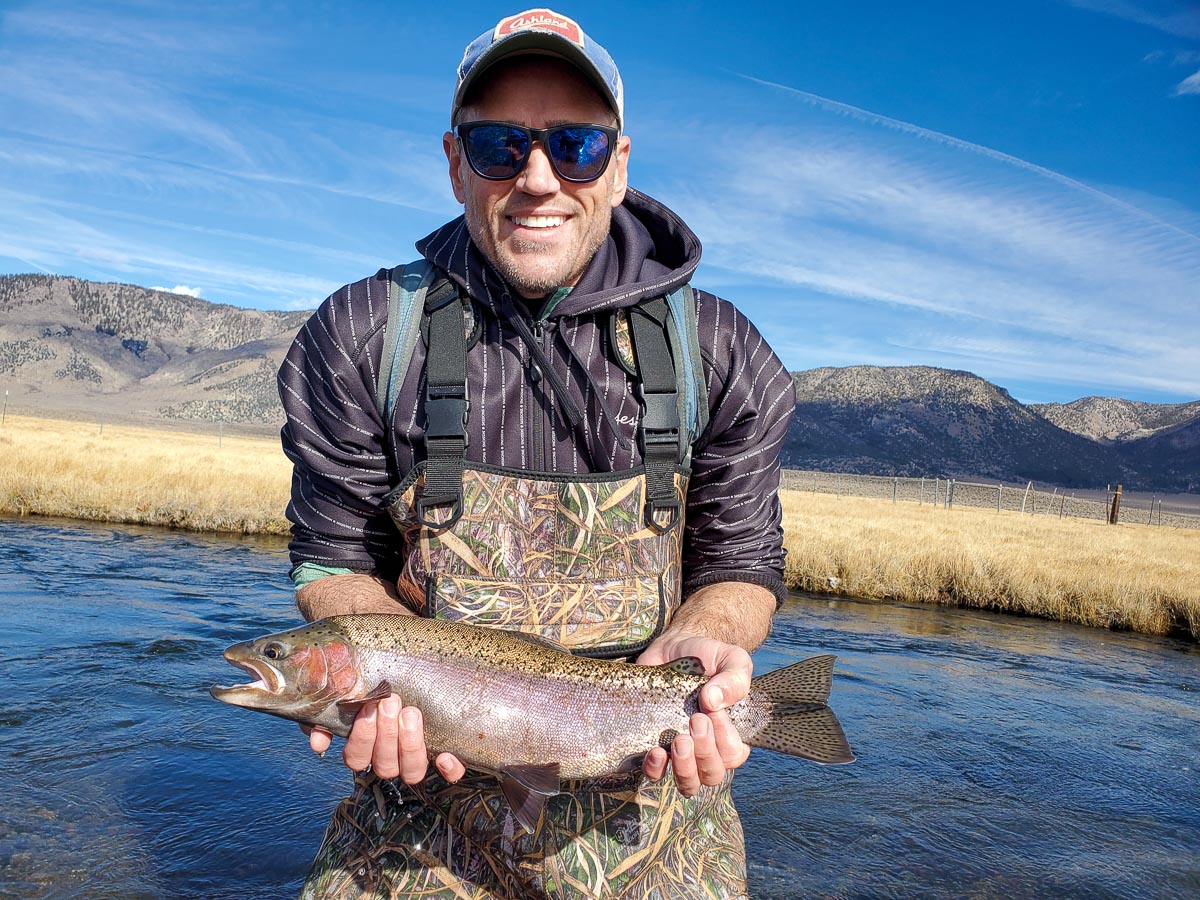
(538, 641)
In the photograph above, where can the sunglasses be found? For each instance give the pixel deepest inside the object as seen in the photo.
(498, 151)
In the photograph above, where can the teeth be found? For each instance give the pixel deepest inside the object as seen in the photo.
(539, 221)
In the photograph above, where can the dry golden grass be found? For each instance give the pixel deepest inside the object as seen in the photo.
(143, 476)
(1134, 577)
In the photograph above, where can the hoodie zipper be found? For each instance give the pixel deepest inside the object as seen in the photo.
(540, 396)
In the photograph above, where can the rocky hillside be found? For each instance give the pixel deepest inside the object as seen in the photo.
(1113, 419)
(114, 351)
(922, 421)
(123, 352)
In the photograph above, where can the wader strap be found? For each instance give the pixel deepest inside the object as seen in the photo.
(660, 437)
(445, 408)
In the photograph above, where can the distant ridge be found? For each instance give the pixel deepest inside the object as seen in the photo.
(117, 351)
(125, 352)
(1112, 419)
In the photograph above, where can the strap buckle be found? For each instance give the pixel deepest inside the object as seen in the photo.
(446, 413)
(660, 423)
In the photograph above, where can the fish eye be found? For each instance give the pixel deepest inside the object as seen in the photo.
(275, 650)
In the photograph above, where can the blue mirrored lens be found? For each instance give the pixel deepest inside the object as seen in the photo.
(496, 151)
(578, 153)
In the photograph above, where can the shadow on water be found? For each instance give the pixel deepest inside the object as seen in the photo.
(998, 757)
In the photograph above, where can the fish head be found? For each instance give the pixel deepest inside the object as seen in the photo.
(299, 674)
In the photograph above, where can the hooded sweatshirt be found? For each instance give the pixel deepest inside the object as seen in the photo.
(346, 458)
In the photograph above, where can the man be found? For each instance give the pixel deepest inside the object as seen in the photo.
(555, 507)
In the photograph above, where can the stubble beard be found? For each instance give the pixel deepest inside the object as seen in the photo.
(533, 281)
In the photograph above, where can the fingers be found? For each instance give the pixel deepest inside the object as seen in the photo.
(730, 683)
(701, 757)
(360, 744)
(710, 767)
(414, 758)
(655, 764)
(450, 767)
(730, 748)
(318, 739)
(389, 737)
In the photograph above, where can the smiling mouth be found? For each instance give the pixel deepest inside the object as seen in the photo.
(538, 221)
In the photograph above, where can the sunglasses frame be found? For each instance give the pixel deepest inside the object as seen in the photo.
(535, 135)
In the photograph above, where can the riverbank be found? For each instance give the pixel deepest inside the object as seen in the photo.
(1129, 577)
(143, 476)
(1125, 577)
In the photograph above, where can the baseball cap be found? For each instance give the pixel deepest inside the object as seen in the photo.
(541, 31)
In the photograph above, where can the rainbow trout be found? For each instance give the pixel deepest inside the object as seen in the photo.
(518, 706)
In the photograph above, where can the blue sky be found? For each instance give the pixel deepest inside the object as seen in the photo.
(1010, 188)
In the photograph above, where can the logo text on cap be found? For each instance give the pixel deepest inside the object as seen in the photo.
(541, 20)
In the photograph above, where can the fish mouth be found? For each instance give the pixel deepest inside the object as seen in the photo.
(268, 681)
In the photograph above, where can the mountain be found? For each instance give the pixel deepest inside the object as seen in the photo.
(1115, 420)
(920, 420)
(117, 351)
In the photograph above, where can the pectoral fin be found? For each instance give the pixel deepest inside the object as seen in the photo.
(383, 689)
(526, 788)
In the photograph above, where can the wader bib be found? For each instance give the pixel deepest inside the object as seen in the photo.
(591, 562)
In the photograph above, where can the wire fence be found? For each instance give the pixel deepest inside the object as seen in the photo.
(1175, 510)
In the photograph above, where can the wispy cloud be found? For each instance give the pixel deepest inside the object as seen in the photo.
(945, 247)
(1189, 85)
(1177, 17)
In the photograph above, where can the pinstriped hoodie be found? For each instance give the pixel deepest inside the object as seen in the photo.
(346, 458)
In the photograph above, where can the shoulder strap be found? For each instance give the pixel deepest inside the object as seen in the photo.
(445, 408)
(662, 441)
(683, 333)
(407, 288)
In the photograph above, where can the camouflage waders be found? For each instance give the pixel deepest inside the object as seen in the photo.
(592, 562)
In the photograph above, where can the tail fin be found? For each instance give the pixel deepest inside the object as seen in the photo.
(792, 701)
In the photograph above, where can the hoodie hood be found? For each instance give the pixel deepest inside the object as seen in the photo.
(649, 252)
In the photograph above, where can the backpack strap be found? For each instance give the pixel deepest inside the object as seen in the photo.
(660, 437)
(407, 288)
(683, 333)
(445, 408)
(416, 291)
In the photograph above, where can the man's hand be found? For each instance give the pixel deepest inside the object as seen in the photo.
(389, 737)
(713, 746)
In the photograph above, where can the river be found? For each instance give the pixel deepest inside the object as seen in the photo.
(997, 757)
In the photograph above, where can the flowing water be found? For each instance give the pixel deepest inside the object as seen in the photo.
(998, 757)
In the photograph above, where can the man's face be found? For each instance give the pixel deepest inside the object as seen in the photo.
(538, 230)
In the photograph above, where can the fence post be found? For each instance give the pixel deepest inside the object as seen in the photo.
(1026, 497)
(1061, 502)
(1114, 514)
(950, 494)
(1050, 505)
(895, 484)
(999, 496)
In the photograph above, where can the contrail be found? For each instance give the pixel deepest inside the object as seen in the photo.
(871, 118)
